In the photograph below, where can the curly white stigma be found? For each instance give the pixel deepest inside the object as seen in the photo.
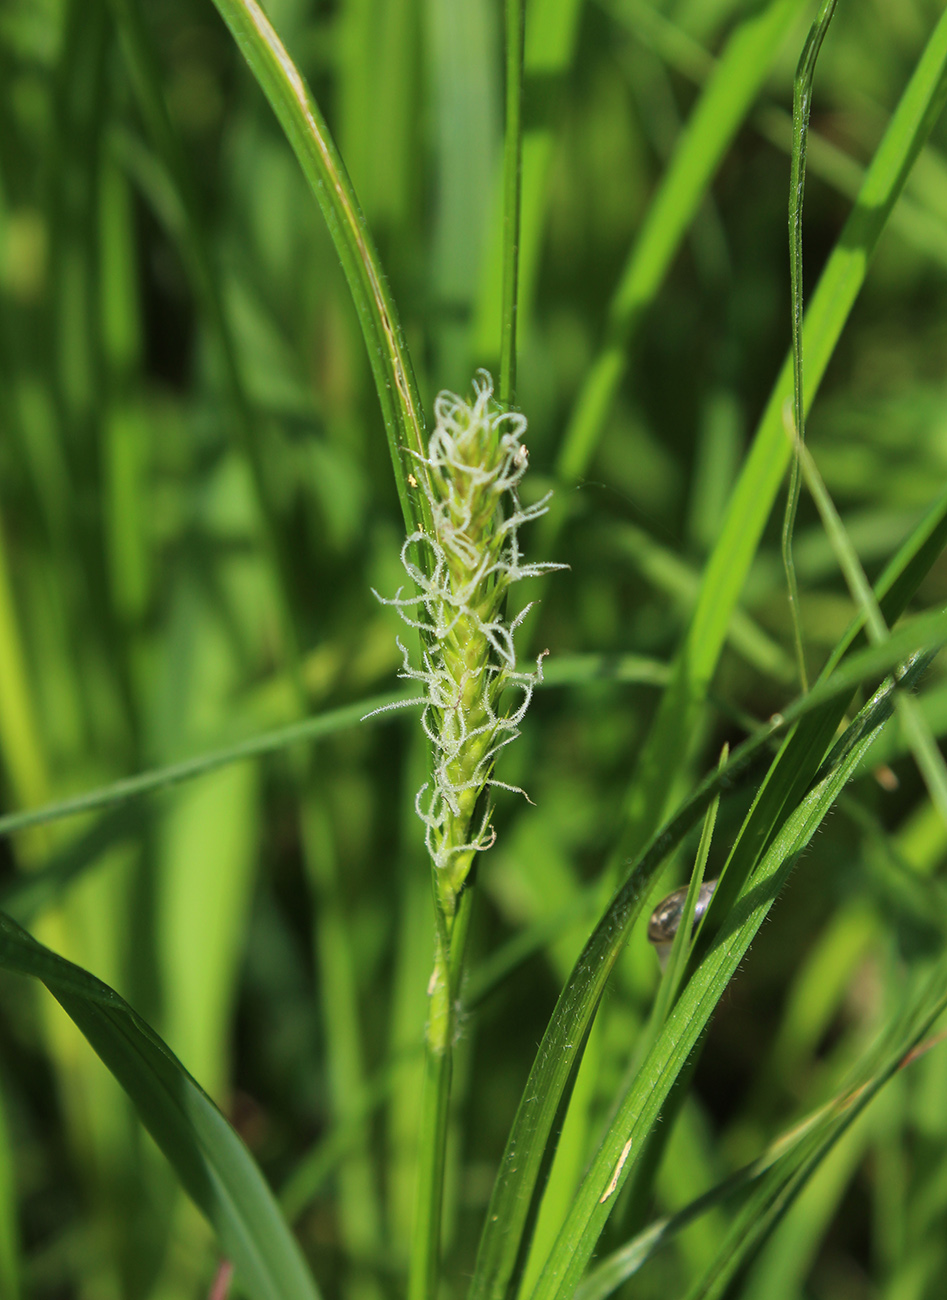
(474, 463)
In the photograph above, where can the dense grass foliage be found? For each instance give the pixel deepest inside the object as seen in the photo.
(221, 327)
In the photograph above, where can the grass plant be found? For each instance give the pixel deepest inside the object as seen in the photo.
(258, 263)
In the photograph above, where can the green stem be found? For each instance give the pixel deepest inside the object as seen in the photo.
(801, 107)
(435, 1107)
(435, 1102)
(512, 191)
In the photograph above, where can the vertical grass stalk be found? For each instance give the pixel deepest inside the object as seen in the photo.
(475, 697)
(801, 108)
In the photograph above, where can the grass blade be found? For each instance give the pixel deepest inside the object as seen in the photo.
(753, 497)
(801, 106)
(925, 751)
(641, 1106)
(562, 1044)
(308, 134)
(267, 742)
(722, 108)
(210, 1160)
(808, 1141)
(784, 1181)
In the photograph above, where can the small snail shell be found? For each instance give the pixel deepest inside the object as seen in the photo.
(666, 917)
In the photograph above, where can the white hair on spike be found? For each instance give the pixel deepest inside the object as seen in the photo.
(469, 477)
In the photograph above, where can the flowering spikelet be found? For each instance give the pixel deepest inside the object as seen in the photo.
(475, 460)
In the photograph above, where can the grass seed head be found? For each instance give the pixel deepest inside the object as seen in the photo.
(475, 695)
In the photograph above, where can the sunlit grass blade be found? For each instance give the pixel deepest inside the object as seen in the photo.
(802, 753)
(641, 1105)
(806, 1142)
(212, 1163)
(816, 713)
(308, 134)
(609, 1274)
(721, 109)
(752, 499)
(558, 1054)
(206, 863)
(520, 1168)
(188, 376)
(787, 1254)
(920, 223)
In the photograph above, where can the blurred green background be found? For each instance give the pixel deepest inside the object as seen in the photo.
(196, 502)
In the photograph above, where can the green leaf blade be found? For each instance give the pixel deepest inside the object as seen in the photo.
(211, 1161)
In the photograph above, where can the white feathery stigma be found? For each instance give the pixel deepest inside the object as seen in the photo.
(474, 463)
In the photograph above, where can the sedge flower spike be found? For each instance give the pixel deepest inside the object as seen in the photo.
(475, 695)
